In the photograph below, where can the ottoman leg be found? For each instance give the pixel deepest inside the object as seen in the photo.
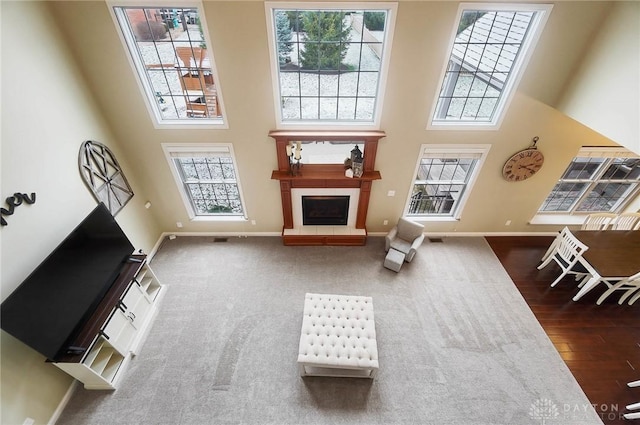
(301, 368)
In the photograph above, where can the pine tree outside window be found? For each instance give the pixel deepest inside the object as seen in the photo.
(329, 61)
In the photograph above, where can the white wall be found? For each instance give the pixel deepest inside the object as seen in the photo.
(605, 92)
(47, 112)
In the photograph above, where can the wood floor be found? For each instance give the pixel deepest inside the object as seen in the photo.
(599, 344)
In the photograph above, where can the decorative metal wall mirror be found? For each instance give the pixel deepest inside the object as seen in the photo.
(103, 176)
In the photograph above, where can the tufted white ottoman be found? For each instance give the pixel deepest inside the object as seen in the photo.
(338, 337)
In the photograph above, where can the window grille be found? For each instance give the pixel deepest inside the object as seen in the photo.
(486, 58)
(207, 179)
(175, 67)
(597, 180)
(444, 176)
(329, 62)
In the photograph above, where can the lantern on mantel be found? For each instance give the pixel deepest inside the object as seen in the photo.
(356, 155)
(356, 161)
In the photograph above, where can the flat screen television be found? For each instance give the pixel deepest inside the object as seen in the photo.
(49, 307)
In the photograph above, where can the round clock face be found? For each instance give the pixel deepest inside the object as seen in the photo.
(523, 165)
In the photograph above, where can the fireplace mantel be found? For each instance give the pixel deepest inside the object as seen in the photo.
(325, 176)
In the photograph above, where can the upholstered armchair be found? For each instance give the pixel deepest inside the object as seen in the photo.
(405, 237)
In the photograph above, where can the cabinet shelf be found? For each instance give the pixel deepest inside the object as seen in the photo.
(103, 358)
(91, 356)
(148, 282)
(153, 290)
(117, 333)
(141, 275)
(111, 368)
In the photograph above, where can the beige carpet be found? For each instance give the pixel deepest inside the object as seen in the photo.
(457, 343)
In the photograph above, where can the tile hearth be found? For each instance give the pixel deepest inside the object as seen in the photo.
(324, 230)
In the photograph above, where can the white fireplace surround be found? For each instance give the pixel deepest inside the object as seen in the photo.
(296, 203)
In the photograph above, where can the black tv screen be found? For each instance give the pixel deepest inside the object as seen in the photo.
(48, 307)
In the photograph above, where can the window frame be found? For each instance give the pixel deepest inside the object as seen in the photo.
(515, 75)
(138, 67)
(445, 149)
(609, 154)
(225, 149)
(389, 7)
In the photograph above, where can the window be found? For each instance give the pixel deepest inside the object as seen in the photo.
(329, 61)
(490, 47)
(444, 177)
(207, 179)
(170, 53)
(597, 180)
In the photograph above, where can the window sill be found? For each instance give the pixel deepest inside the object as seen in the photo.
(463, 125)
(431, 219)
(558, 219)
(219, 218)
(201, 124)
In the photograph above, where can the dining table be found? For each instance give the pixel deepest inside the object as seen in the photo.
(612, 254)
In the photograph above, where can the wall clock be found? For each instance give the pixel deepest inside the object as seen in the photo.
(523, 164)
(103, 176)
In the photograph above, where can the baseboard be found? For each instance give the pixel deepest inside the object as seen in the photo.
(163, 237)
(483, 234)
(166, 235)
(474, 234)
(63, 403)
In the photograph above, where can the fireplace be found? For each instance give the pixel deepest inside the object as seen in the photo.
(325, 210)
(327, 180)
(302, 196)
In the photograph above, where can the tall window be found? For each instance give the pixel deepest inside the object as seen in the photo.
(329, 60)
(491, 45)
(597, 180)
(444, 177)
(174, 64)
(207, 178)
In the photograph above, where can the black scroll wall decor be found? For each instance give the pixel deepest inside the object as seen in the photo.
(13, 202)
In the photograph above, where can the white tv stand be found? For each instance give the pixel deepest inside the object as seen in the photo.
(98, 355)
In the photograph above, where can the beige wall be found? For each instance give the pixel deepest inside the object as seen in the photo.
(47, 112)
(423, 29)
(605, 92)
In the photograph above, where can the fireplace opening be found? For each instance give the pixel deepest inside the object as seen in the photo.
(325, 210)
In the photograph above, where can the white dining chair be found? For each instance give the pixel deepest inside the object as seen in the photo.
(626, 221)
(598, 221)
(634, 415)
(629, 284)
(633, 406)
(551, 247)
(634, 298)
(566, 253)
